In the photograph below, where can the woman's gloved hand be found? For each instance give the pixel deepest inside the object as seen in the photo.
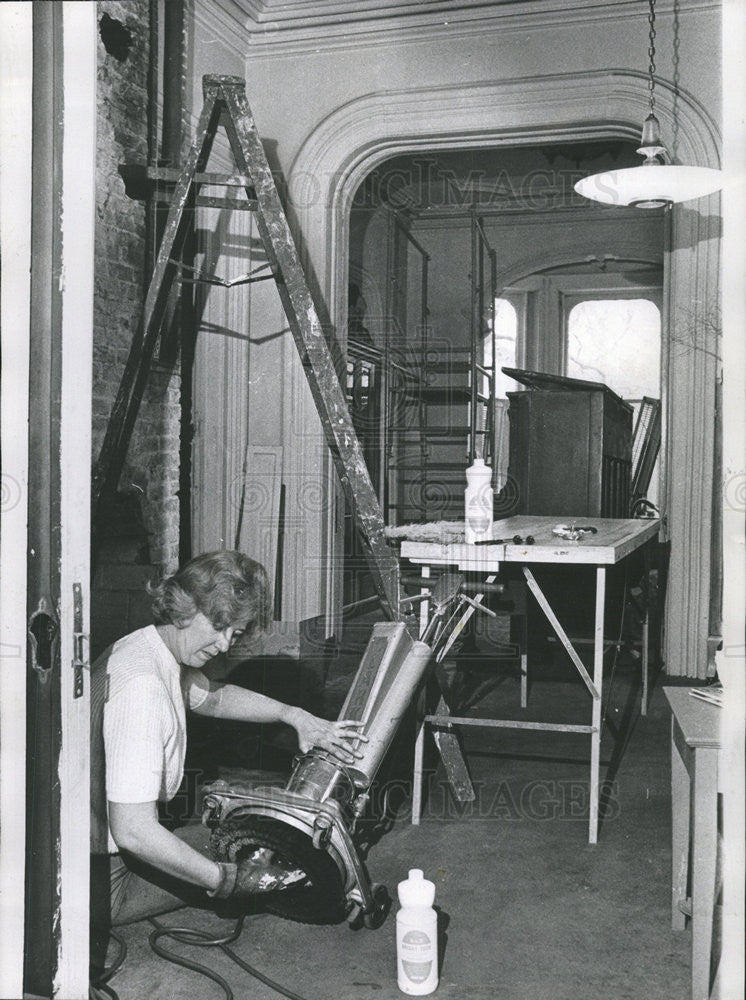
(249, 878)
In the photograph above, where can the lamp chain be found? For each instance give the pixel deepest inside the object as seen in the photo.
(651, 55)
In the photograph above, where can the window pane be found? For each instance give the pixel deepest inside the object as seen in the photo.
(616, 341)
(506, 330)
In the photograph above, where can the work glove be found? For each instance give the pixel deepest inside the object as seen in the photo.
(247, 878)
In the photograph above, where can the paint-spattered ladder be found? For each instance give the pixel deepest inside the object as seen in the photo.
(226, 105)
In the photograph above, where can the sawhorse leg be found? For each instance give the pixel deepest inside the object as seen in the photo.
(419, 760)
(445, 738)
(598, 676)
(419, 742)
(594, 686)
(524, 662)
(646, 633)
(521, 611)
(454, 764)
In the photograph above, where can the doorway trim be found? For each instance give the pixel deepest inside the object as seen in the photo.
(67, 331)
(358, 136)
(80, 41)
(15, 216)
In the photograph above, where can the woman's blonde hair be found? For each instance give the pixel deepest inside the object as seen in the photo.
(226, 586)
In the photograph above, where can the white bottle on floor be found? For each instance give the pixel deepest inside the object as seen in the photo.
(478, 502)
(417, 936)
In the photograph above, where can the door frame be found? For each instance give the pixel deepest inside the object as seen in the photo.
(80, 50)
(15, 232)
(68, 54)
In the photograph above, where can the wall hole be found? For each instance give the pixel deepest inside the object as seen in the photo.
(116, 38)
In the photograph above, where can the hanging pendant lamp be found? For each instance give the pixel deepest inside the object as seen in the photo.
(656, 183)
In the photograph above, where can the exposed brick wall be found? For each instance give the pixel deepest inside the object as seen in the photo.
(120, 279)
(119, 601)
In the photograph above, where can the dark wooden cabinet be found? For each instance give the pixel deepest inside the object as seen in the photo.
(570, 448)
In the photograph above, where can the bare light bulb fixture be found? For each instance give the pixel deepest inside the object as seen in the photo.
(655, 183)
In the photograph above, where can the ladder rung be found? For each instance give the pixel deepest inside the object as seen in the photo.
(424, 471)
(458, 471)
(411, 393)
(234, 204)
(225, 180)
(447, 366)
(446, 393)
(453, 487)
(406, 429)
(437, 466)
(203, 201)
(225, 105)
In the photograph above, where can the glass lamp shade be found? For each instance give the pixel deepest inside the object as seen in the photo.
(650, 185)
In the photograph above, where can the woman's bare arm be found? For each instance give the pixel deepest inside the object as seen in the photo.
(227, 701)
(135, 828)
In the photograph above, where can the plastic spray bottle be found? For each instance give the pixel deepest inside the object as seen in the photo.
(478, 502)
(416, 936)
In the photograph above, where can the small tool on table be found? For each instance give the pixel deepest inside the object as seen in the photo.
(573, 532)
(515, 540)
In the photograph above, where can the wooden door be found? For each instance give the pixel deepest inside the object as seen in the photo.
(54, 197)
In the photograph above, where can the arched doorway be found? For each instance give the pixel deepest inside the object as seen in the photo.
(360, 135)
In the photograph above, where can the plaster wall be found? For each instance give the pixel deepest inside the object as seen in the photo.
(332, 103)
(248, 366)
(524, 246)
(293, 87)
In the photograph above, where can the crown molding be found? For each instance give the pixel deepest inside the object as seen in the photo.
(229, 19)
(278, 27)
(516, 216)
(358, 136)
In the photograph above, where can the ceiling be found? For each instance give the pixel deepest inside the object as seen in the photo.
(267, 20)
(494, 180)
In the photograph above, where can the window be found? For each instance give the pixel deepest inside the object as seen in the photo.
(506, 334)
(618, 342)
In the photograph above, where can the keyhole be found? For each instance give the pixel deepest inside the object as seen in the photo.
(43, 631)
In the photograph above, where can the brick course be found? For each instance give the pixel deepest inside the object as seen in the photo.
(120, 284)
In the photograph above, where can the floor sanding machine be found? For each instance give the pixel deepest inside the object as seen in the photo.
(302, 834)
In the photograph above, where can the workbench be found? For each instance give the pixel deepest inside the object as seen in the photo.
(695, 781)
(613, 541)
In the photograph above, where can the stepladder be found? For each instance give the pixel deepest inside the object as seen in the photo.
(226, 106)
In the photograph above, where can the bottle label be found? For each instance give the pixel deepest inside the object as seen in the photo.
(416, 955)
(479, 514)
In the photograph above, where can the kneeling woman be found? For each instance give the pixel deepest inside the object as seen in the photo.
(141, 687)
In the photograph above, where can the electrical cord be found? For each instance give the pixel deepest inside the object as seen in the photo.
(102, 992)
(188, 935)
(98, 988)
(617, 644)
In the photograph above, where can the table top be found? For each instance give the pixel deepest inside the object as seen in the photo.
(698, 721)
(615, 538)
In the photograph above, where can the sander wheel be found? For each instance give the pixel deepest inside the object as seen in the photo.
(318, 899)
